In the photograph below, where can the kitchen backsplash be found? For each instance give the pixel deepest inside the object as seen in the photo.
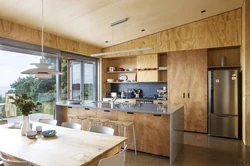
(148, 89)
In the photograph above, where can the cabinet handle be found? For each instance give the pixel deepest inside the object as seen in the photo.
(126, 101)
(69, 107)
(109, 100)
(160, 103)
(130, 113)
(188, 95)
(86, 108)
(106, 110)
(157, 115)
(183, 95)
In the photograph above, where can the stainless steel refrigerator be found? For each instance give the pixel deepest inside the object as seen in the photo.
(223, 103)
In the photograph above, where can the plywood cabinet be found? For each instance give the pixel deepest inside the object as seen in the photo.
(146, 62)
(152, 132)
(187, 85)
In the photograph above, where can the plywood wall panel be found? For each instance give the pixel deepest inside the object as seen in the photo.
(25, 34)
(223, 30)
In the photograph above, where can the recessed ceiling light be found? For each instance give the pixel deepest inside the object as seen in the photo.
(203, 11)
(106, 41)
(143, 30)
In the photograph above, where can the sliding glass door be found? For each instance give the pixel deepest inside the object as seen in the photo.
(82, 80)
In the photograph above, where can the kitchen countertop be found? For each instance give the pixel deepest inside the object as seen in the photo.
(144, 108)
(136, 99)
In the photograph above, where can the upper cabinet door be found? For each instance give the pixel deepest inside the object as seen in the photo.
(147, 62)
(196, 91)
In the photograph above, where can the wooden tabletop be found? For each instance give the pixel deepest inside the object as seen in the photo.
(69, 147)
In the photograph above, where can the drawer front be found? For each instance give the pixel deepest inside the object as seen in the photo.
(223, 126)
(107, 114)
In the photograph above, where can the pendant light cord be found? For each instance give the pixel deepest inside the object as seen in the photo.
(42, 29)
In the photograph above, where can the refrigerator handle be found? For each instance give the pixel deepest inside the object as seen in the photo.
(183, 95)
(188, 95)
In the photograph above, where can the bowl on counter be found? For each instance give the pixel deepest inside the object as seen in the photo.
(131, 69)
(49, 133)
(31, 134)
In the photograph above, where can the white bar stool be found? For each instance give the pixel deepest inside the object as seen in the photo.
(125, 124)
(81, 118)
(71, 117)
(98, 121)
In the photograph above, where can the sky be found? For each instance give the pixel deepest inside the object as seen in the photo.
(11, 66)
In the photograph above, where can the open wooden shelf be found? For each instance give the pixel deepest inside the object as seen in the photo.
(119, 72)
(221, 67)
(122, 82)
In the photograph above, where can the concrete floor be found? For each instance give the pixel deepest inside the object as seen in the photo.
(199, 150)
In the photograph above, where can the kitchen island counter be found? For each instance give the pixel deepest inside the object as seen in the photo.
(159, 128)
(142, 108)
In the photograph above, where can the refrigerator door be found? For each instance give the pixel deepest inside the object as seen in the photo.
(224, 126)
(225, 92)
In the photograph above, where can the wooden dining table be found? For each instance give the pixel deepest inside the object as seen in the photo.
(68, 148)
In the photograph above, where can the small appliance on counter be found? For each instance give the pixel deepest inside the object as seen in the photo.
(137, 93)
(115, 94)
(130, 93)
(162, 93)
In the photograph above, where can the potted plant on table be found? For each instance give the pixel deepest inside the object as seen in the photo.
(26, 106)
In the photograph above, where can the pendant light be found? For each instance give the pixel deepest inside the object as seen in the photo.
(121, 51)
(42, 70)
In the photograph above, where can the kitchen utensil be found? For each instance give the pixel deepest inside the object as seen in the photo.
(123, 95)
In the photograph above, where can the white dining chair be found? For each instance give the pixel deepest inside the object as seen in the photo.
(8, 162)
(117, 160)
(102, 129)
(48, 121)
(72, 125)
(3, 122)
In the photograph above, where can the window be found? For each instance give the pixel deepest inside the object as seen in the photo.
(82, 80)
(12, 82)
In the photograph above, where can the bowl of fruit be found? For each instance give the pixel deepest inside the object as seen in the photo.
(49, 133)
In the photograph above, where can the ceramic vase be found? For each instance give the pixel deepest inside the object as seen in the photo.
(26, 125)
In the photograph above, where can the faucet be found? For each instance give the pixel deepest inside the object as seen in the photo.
(112, 102)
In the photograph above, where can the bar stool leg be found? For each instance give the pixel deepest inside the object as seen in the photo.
(134, 139)
(90, 124)
(124, 144)
(119, 130)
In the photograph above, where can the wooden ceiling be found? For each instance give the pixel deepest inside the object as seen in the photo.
(89, 20)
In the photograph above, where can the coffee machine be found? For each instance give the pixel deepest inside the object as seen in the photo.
(162, 93)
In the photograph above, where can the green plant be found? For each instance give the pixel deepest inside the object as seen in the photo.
(25, 104)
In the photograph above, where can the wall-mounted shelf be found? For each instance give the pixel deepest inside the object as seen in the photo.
(119, 72)
(122, 82)
(221, 67)
(135, 82)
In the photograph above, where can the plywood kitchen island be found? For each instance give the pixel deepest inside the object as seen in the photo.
(159, 129)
